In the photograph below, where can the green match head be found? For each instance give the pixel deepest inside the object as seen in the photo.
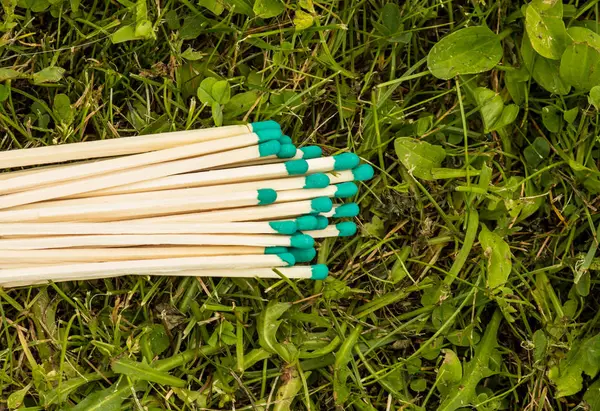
(269, 148)
(266, 196)
(311, 152)
(275, 250)
(363, 172)
(345, 190)
(345, 161)
(302, 241)
(296, 167)
(284, 227)
(265, 125)
(287, 151)
(346, 210)
(286, 140)
(268, 135)
(318, 180)
(319, 272)
(321, 205)
(306, 223)
(322, 222)
(303, 255)
(287, 258)
(346, 229)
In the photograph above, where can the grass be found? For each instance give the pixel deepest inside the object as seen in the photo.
(426, 309)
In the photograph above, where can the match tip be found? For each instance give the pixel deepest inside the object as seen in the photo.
(287, 150)
(322, 222)
(302, 241)
(269, 148)
(287, 258)
(311, 152)
(275, 250)
(347, 210)
(303, 255)
(321, 205)
(266, 196)
(319, 272)
(306, 223)
(268, 135)
(346, 229)
(345, 190)
(285, 140)
(265, 125)
(345, 161)
(284, 227)
(363, 172)
(318, 180)
(296, 167)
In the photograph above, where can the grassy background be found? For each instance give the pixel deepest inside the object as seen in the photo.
(375, 336)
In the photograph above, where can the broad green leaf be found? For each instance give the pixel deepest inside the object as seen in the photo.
(464, 392)
(546, 28)
(303, 20)
(375, 228)
(125, 33)
(172, 20)
(307, 5)
(191, 27)
(62, 109)
(592, 396)
(540, 345)
(217, 113)
(221, 91)
(241, 103)
(466, 337)
(108, 399)
(442, 313)
(419, 157)
(155, 341)
(516, 83)
(580, 66)
(190, 54)
(341, 371)
(399, 270)
(467, 51)
(205, 90)
(418, 385)
(48, 75)
(495, 114)
(449, 373)
(593, 99)
(145, 372)
(508, 116)
(288, 390)
(584, 35)
(4, 93)
(391, 19)
(551, 119)
(224, 333)
(268, 324)
(268, 8)
(144, 30)
(57, 395)
(571, 115)
(192, 398)
(497, 253)
(215, 6)
(536, 152)
(15, 400)
(240, 6)
(544, 71)
(335, 289)
(583, 358)
(9, 74)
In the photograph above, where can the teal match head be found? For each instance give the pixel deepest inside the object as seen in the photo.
(265, 125)
(275, 250)
(306, 223)
(269, 148)
(346, 229)
(319, 272)
(322, 222)
(266, 196)
(318, 180)
(287, 151)
(286, 140)
(296, 167)
(321, 205)
(287, 258)
(268, 135)
(288, 227)
(303, 255)
(346, 210)
(363, 172)
(311, 152)
(345, 161)
(302, 241)
(345, 190)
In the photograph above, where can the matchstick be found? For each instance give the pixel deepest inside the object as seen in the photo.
(343, 190)
(347, 210)
(344, 229)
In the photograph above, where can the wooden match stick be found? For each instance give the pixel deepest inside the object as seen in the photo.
(343, 211)
(124, 146)
(344, 229)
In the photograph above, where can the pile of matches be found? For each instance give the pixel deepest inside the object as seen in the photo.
(234, 201)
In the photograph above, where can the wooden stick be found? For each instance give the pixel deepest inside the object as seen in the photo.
(138, 209)
(344, 229)
(80, 171)
(315, 272)
(97, 255)
(343, 211)
(70, 188)
(253, 240)
(123, 146)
